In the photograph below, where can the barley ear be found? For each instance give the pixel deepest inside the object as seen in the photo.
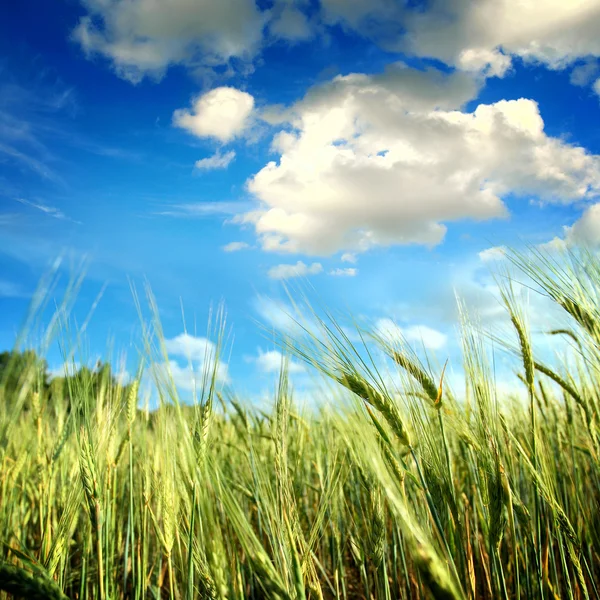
(415, 371)
(132, 397)
(27, 585)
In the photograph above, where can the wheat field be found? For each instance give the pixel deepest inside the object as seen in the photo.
(376, 494)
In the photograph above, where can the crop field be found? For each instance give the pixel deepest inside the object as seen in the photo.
(381, 493)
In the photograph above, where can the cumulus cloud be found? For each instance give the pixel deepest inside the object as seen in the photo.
(235, 246)
(144, 37)
(553, 32)
(271, 361)
(596, 87)
(216, 161)
(184, 377)
(349, 272)
(189, 346)
(586, 230)
(200, 356)
(349, 257)
(300, 269)
(222, 113)
(556, 244)
(377, 160)
(431, 339)
(494, 253)
(490, 62)
(479, 35)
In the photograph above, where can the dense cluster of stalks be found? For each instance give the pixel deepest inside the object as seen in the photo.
(418, 494)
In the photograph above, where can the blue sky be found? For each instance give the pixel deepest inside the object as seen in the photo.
(372, 149)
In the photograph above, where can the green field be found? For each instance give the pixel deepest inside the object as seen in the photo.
(374, 495)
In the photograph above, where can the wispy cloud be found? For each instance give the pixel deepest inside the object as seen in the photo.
(82, 142)
(8, 219)
(26, 115)
(9, 289)
(201, 210)
(35, 120)
(236, 246)
(28, 161)
(50, 211)
(216, 161)
(56, 97)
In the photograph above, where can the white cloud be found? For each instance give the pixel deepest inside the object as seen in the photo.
(388, 159)
(184, 377)
(478, 287)
(279, 315)
(479, 35)
(144, 37)
(430, 338)
(189, 346)
(300, 269)
(271, 360)
(216, 161)
(494, 253)
(585, 73)
(197, 351)
(223, 113)
(596, 87)
(490, 62)
(349, 257)
(553, 32)
(123, 377)
(586, 230)
(505, 385)
(235, 246)
(349, 272)
(555, 244)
